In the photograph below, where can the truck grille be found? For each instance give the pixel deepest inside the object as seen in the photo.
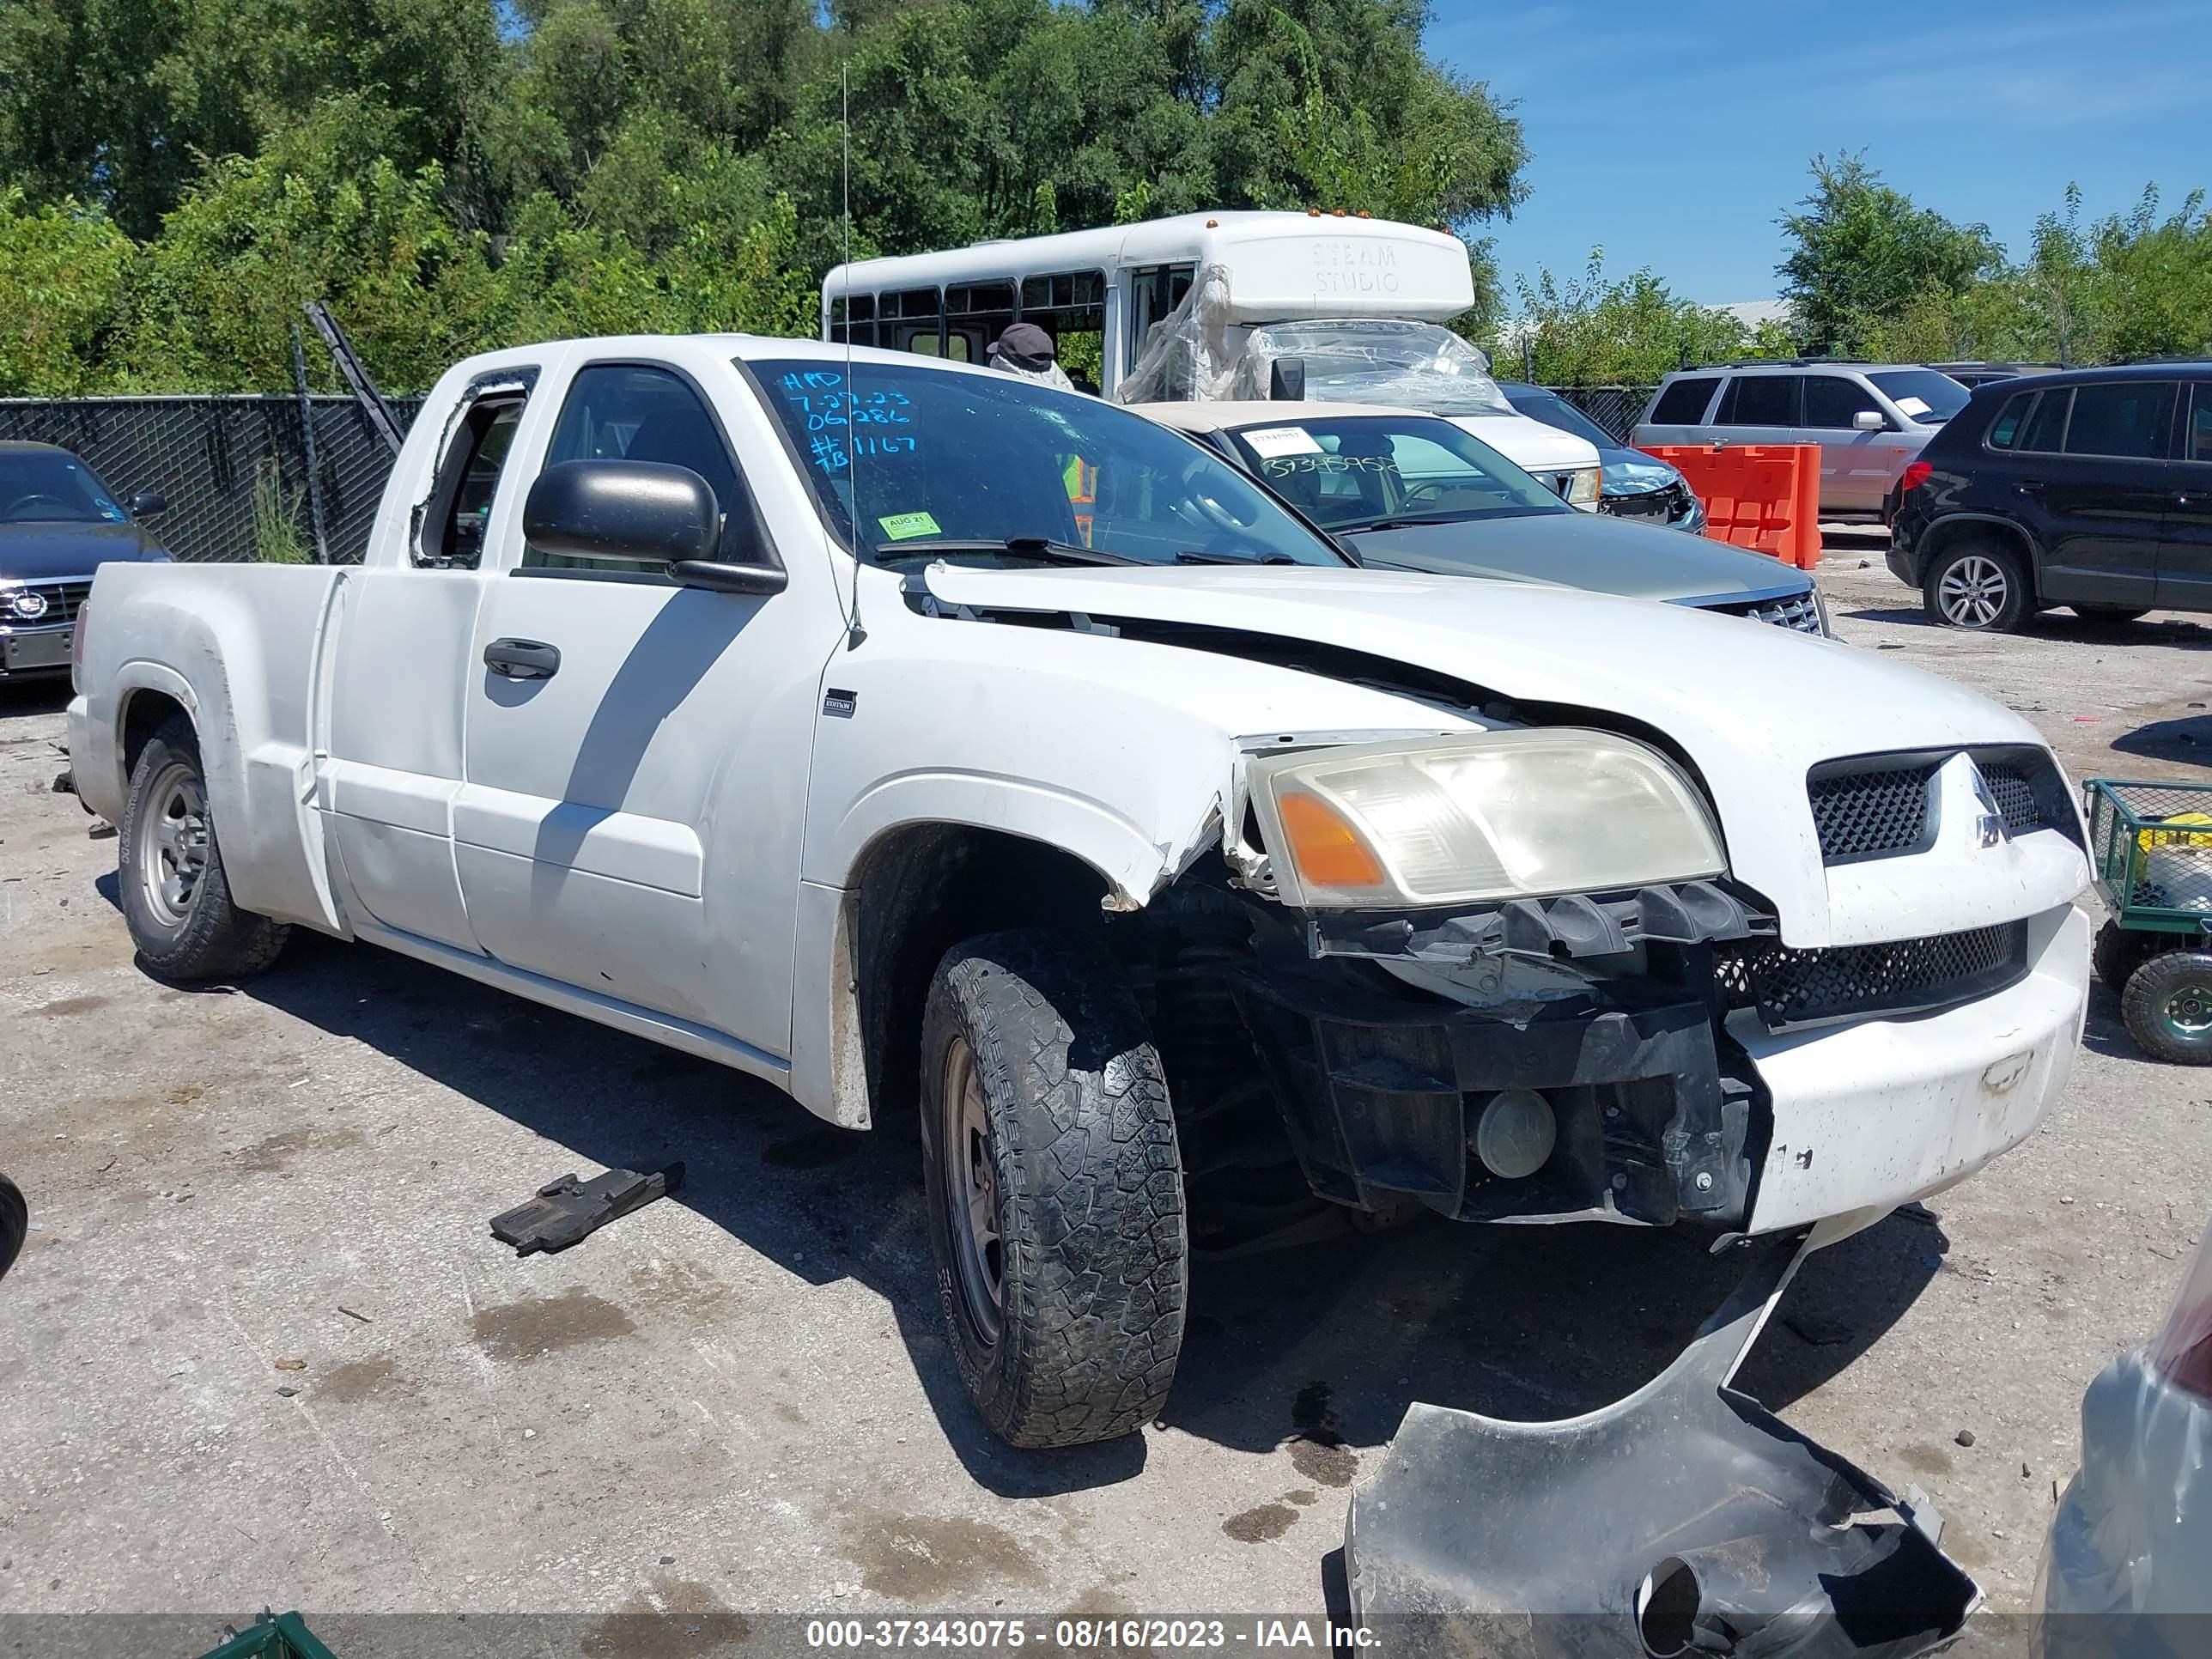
(1868, 814)
(1869, 810)
(2015, 796)
(1789, 987)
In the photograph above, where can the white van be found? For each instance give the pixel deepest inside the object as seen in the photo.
(1208, 304)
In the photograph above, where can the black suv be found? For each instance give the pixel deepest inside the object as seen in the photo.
(2088, 488)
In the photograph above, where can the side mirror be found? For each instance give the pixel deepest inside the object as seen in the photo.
(145, 503)
(1286, 381)
(644, 511)
(641, 511)
(1867, 420)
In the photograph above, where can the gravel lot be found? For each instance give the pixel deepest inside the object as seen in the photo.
(264, 1351)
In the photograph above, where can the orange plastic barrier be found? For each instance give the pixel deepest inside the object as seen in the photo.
(1766, 497)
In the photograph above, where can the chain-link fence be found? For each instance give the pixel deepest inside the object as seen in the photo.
(211, 456)
(1615, 408)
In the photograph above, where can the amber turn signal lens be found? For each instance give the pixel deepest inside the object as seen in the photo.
(1327, 851)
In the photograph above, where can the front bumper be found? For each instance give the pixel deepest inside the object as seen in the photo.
(1669, 1108)
(29, 650)
(1875, 1113)
(1683, 1520)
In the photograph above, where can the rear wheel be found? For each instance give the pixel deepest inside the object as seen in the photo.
(176, 896)
(2169, 1007)
(1055, 1189)
(2119, 952)
(1979, 586)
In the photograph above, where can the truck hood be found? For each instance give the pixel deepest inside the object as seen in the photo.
(1534, 446)
(1581, 550)
(1751, 708)
(37, 552)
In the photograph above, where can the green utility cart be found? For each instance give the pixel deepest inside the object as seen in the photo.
(273, 1636)
(2151, 845)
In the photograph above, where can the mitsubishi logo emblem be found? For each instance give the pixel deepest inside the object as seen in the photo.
(1989, 824)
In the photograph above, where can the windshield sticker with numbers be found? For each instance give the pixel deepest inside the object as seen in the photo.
(1269, 442)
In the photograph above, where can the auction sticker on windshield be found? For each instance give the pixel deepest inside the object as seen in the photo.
(905, 526)
(1269, 442)
(1915, 406)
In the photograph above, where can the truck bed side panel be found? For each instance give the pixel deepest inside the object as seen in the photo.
(246, 640)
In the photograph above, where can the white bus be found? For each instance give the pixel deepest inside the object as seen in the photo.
(1359, 303)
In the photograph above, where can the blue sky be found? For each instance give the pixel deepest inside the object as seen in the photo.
(1674, 135)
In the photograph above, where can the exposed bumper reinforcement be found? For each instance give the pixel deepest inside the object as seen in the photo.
(1684, 1520)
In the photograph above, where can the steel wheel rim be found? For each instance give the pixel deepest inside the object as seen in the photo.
(172, 845)
(2188, 1011)
(1974, 591)
(971, 1194)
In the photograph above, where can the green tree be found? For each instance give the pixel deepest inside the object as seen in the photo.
(1861, 251)
(1595, 332)
(63, 269)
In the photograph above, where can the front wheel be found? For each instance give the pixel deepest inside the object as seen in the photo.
(2169, 1007)
(176, 895)
(1054, 1189)
(1977, 586)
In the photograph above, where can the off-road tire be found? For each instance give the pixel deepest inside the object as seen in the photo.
(1088, 1187)
(215, 939)
(2117, 951)
(2172, 981)
(2115, 614)
(2007, 614)
(15, 1223)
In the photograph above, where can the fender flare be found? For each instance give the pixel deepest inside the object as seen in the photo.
(828, 1062)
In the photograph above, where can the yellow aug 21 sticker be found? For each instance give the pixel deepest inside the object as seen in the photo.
(905, 526)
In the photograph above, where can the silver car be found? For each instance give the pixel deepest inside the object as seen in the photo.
(2127, 1570)
(1869, 419)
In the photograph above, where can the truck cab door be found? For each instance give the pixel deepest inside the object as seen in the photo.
(635, 755)
(396, 702)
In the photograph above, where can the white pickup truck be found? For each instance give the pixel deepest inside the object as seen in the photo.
(900, 732)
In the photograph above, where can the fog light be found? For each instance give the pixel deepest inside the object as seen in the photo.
(1515, 1135)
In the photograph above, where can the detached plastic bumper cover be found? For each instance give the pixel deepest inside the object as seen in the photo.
(1686, 1519)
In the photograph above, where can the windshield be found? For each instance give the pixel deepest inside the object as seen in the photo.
(43, 486)
(1558, 412)
(1354, 472)
(1920, 394)
(938, 456)
(1375, 361)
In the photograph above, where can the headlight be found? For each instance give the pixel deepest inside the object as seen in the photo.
(1500, 815)
(1820, 609)
(1584, 484)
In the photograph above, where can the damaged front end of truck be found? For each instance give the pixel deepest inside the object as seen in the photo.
(1495, 1049)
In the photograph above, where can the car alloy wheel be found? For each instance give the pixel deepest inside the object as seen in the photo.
(1974, 591)
(173, 848)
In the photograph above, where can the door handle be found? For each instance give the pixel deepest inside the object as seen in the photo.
(523, 660)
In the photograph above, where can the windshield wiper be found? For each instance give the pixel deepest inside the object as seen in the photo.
(1188, 557)
(1041, 549)
(1402, 521)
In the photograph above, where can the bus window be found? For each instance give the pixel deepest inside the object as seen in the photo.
(976, 314)
(853, 319)
(1070, 306)
(912, 321)
(1155, 291)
